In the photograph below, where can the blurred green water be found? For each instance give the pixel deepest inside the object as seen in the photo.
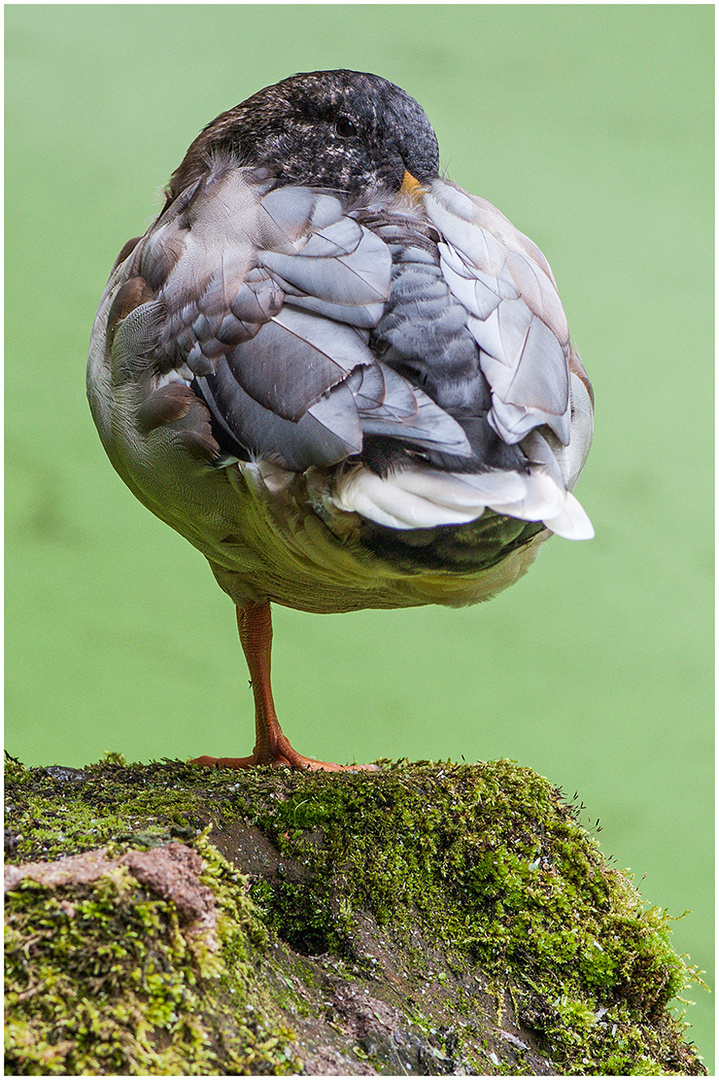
(591, 128)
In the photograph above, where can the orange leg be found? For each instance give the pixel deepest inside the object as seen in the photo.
(272, 746)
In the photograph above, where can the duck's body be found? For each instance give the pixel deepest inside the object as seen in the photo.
(353, 392)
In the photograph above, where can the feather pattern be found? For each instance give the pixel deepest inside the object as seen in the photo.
(517, 320)
(402, 359)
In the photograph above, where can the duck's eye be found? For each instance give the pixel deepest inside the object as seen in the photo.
(345, 127)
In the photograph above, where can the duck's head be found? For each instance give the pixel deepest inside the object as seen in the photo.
(344, 130)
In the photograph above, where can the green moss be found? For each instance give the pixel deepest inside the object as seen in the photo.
(474, 886)
(100, 979)
(55, 810)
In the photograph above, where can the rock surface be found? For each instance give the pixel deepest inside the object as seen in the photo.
(427, 919)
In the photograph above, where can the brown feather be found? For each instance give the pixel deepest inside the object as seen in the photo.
(176, 404)
(131, 295)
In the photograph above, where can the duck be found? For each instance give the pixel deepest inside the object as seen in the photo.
(344, 379)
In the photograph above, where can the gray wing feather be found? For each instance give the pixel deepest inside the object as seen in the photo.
(515, 315)
(288, 213)
(295, 358)
(389, 406)
(312, 440)
(341, 273)
(371, 401)
(268, 298)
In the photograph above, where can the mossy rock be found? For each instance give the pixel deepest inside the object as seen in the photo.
(425, 919)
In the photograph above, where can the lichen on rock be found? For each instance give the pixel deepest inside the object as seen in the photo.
(425, 919)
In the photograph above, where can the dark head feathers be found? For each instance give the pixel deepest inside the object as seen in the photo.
(345, 130)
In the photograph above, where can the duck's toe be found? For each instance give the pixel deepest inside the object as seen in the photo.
(286, 757)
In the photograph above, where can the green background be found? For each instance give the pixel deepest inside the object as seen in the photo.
(591, 128)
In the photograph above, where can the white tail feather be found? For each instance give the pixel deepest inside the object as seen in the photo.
(573, 523)
(409, 499)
